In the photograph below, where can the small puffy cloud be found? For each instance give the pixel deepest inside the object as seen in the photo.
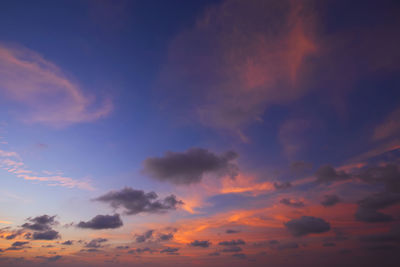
(232, 249)
(200, 243)
(67, 243)
(145, 236)
(19, 245)
(96, 243)
(232, 231)
(170, 251)
(327, 174)
(46, 235)
(165, 237)
(368, 209)
(282, 186)
(190, 166)
(291, 203)
(102, 222)
(40, 223)
(232, 243)
(137, 201)
(50, 259)
(330, 200)
(307, 225)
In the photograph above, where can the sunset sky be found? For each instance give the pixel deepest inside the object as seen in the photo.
(199, 133)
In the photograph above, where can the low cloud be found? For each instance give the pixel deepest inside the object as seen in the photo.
(190, 166)
(327, 174)
(170, 251)
(145, 236)
(307, 225)
(368, 208)
(137, 201)
(232, 231)
(330, 200)
(200, 243)
(40, 223)
(46, 235)
(232, 243)
(50, 259)
(96, 243)
(291, 203)
(102, 222)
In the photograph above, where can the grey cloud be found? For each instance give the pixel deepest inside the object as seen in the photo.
(145, 236)
(190, 166)
(232, 243)
(330, 200)
(393, 236)
(282, 186)
(239, 255)
(290, 245)
(200, 243)
(141, 250)
(387, 175)
(102, 222)
(232, 249)
(96, 243)
(327, 174)
(307, 225)
(232, 231)
(291, 203)
(137, 201)
(46, 235)
(170, 251)
(19, 245)
(40, 223)
(368, 209)
(165, 237)
(67, 243)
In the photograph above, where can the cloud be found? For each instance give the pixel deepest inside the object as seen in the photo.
(190, 166)
(289, 245)
(137, 201)
(368, 207)
(291, 203)
(43, 91)
(327, 174)
(239, 255)
(200, 243)
(232, 231)
(232, 243)
(102, 222)
(282, 186)
(307, 225)
(170, 251)
(393, 236)
(67, 243)
(19, 245)
(141, 250)
(46, 235)
(96, 243)
(387, 175)
(50, 259)
(145, 236)
(330, 200)
(232, 249)
(40, 223)
(240, 58)
(165, 237)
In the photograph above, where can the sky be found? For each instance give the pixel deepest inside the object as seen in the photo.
(202, 133)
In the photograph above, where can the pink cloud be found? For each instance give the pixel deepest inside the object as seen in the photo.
(44, 94)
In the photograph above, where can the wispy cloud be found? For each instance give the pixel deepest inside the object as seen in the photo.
(45, 94)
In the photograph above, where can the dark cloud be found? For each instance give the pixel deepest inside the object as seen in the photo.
(239, 255)
(19, 245)
(165, 237)
(122, 247)
(290, 245)
(137, 201)
(40, 223)
(190, 166)
(307, 225)
(232, 243)
(232, 249)
(330, 200)
(13, 234)
(232, 231)
(91, 250)
(327, 174)
(291, 203)
(170, 251)
(46, 235)
(145, 236)
(282, 186)
(96, 243)
(387, 175)
(368, 209)
(393, 236)
(141, 250)
(102, 222)
(329, 244)
(67, 243)
(200, 243)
